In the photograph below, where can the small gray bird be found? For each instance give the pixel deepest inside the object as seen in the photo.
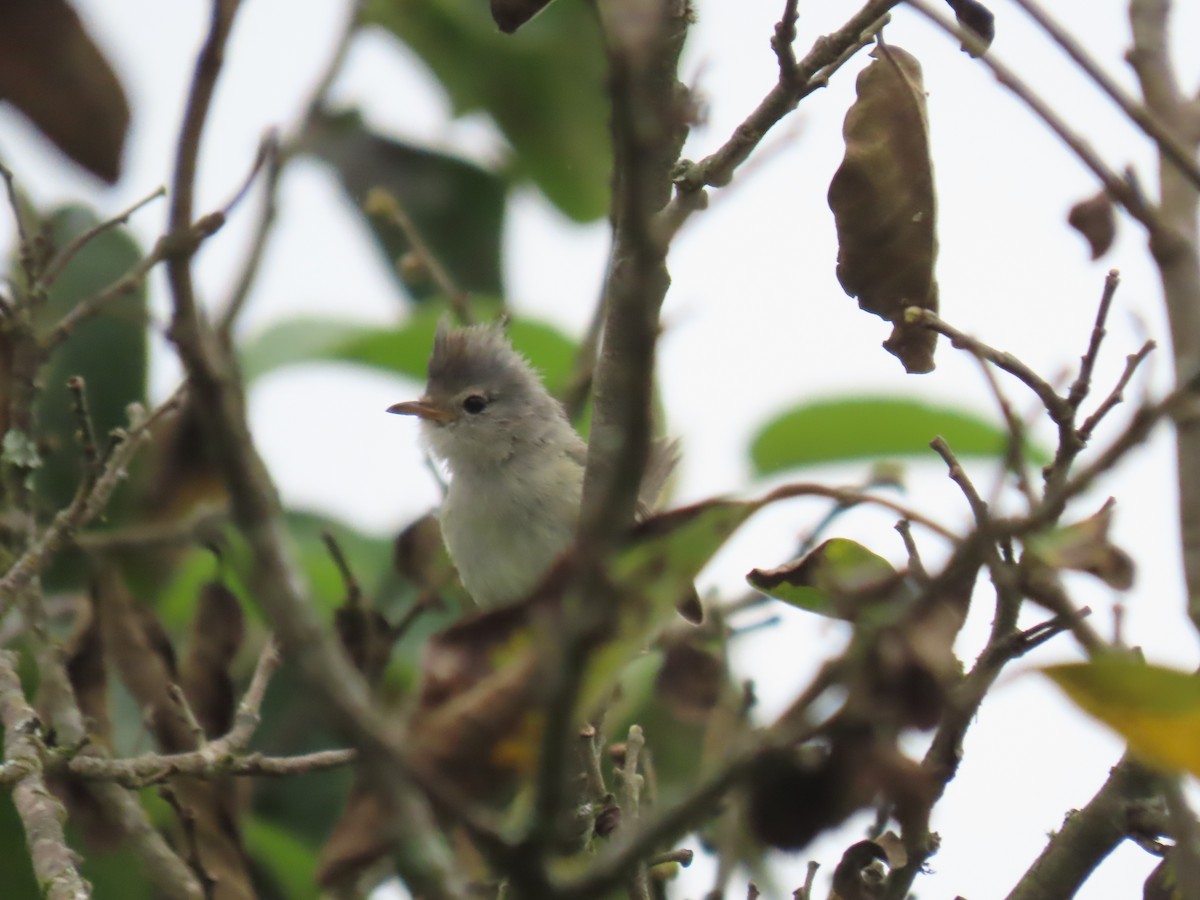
(516, 463)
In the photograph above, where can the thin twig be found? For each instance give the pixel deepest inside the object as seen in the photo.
(810, 876)
(195, 729)
(247, 717)
(41, 813)
(383, 203)
(916, 568)
(784, 37)
(55, 267)
(132, 279)
(258, 245)
(1132, 361)
(90, 499)
(87, 430)
(1143, 118)
(1014, 456)
(1082, 384)
(958, 475)
(353, 589)
(809, 74)
(1117, 187)
(153, 768)
(267, 156)
(187, 819)
(1055, 405)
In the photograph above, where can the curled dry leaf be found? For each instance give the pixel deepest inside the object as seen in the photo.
(217, 633)
(839, 578)
(509, 15)
(882, 197)
(861, 873)
(84, 661)
(146, 662)
(53, 73)
(977, 19)
(690, 681)
(1096, 219)
(1084, 547)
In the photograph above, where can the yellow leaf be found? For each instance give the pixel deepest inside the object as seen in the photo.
(1157, 710)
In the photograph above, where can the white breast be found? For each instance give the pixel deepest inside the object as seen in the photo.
(503, 533)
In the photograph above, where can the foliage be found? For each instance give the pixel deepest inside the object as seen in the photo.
(561, 745)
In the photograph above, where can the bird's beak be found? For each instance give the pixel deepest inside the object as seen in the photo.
(424, 410)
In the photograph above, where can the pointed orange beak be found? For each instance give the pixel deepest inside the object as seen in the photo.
(423, 410)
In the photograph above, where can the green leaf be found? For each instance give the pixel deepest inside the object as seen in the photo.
(848, 428)
(456, 206)
(833, 580)
(544, 87)
(403, 350)
(108, 350)
(290, 862)
(1157, 710)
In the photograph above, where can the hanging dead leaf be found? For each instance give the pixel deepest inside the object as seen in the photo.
(509, 15)
(862, 872)
(690, 681)
(883, 203)
(977, 19)
(359, 838)
(84, 660)
(146, 662)
(1096, 219)
(51, 71)
(88, 675)
(217, 633)
(1084, 547)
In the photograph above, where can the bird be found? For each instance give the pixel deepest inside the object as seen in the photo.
(515, 462)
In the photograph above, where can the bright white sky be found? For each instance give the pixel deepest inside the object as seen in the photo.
(755, 322)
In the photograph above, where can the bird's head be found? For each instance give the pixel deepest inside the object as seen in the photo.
(483, 400)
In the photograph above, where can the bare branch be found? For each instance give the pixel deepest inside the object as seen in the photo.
(1132, 361)
(64, 256)
(90, 499)
(383, 203)
(1145, 119)
(1118, 188)
(41, 813)
(1083, 383)
(154, 768)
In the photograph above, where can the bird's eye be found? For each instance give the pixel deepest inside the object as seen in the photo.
(475, 404)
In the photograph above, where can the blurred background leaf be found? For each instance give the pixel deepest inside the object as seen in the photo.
(544, 87)
(402, 350)
(53, 73)
(849, 428)
(456, 206)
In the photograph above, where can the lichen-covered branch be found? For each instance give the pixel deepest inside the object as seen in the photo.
(41, 812)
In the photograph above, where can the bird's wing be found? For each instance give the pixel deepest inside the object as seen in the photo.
(664, 456)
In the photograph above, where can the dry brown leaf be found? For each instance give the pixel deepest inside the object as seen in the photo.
(976, 18)
(690, 681)
(217, 633)
(509, 15)
(367, 639)
(861, 874)
(1096, 219)
(883, 202)
(1084, 547)
(360, 838)
(84, 659)
(146, 662)
(52, 72)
